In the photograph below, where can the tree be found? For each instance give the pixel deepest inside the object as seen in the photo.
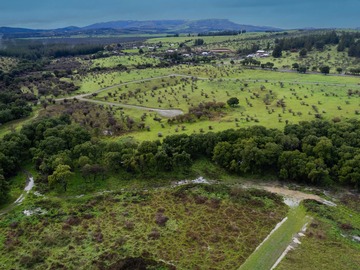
(349, 172)
(199, 42)
(93, 170)
(223, 154)
(325, 70)
(233, 102)
(292, 165)
(295, 65)
(4, 188)
(163, 162)
(182, 161)
(277, 52)
(302, 69)
(60, 176)
(303, 52)
(339, 70)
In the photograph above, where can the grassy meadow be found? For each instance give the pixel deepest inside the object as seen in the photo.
(268, 98)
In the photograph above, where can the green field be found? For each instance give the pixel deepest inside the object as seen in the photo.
(129, 61)
(264, 99)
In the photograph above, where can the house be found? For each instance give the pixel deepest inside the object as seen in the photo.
(205, 53)
(262, 53)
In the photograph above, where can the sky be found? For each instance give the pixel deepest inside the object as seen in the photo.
(49, 14)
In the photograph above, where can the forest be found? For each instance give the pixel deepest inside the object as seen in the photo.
(317, 152)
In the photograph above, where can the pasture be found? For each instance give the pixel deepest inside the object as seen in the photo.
(264, 99)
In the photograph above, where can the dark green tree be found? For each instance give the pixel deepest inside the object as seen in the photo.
(199, 42)
(4, 188)
(325, 70)
(303, 52)
(339, 70)
(302, 69)
(233, 102)
(295, 66)
(277, 52)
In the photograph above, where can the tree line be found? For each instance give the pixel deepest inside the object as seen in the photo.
(343, 41)
(317, 152)
(33, 50)
(222, 33)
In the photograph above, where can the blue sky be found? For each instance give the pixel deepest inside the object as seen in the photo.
(279, 13)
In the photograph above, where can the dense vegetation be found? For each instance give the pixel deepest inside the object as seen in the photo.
(33, 50)
(184, 227)
(222, 33)
(318, 152)
(318, 41)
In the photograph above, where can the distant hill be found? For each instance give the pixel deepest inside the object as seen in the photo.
(183, 26)
(161, 25)
(9, 30)
(138, 27)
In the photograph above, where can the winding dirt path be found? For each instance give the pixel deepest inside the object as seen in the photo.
(163, 112)
(29, 186)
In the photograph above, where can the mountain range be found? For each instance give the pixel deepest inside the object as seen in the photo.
(138, 27)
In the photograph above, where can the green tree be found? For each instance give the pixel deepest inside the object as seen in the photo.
(233, 102)
(199, 42)
(292, 165)
(324, 149)
(339, 70)
(325, 70)
(93, 170)
(349, 172)
(147, 147)
(60, 176)
(302, 69)
(277, 52)
(4, 188)
(223, 154)
(182, 161)
(317, 171)
(163, 162)
(295, 65)
(303, 52)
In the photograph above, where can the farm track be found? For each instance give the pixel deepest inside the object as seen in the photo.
(163, 112)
